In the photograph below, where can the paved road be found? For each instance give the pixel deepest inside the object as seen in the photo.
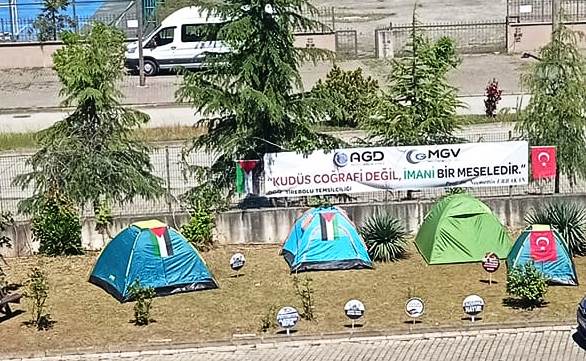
(546, 344)
(167, 116)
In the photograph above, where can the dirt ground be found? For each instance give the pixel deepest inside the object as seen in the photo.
(87, 317)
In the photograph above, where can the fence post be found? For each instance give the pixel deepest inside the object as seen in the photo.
(75, 27)
(168, 171)
(333, 18)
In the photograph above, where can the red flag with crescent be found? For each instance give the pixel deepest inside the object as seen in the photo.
(543, 162)
(543, 246)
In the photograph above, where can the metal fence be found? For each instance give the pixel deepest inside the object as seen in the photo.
(470, 37)
(540, 10)
(167, 165)
(346, 44)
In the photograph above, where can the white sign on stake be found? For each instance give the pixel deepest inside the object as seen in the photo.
(414, 308)
(237, 261)
(354, 310)
(391, 168)
(287, 318)
(473, 305)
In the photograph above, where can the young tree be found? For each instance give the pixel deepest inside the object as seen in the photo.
(247, 96)
(91, 155)
(51, 21)
(556, 113)
(419, 107)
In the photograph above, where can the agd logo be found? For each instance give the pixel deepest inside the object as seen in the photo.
(341, 159)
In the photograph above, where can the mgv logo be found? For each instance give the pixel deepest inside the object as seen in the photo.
(341, 159)
(415, 156)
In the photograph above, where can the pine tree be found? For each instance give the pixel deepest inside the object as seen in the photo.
(247, 96)
(92, 154)
(556, 113)
(52, 21)
(419, 106)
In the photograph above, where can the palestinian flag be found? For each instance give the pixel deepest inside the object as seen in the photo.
(162, 242)
(328, 226)
(244, 169)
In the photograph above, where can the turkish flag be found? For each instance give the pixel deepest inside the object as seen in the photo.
(543, 246)
(543, 162)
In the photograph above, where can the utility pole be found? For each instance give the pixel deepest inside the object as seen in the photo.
(140, 36)
(555, 15)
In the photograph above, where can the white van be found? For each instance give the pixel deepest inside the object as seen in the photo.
(177, 42)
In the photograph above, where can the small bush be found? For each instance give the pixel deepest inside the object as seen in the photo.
(57, 226)
(143, 299)
(268, 320)
(6, 221)
(493, 96)
(104, 218)
(568, 218)
(304, 290)
(352, 95)
(199, 230)
(528, 285)
(385, 237)
(37, 292)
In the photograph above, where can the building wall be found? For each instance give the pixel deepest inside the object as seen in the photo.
(530, 37)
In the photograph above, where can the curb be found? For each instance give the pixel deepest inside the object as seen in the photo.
(274, 341)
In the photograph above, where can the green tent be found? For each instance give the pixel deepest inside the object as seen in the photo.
(460, 228)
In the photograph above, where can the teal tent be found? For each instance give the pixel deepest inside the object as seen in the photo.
(325, 239)
(548, 251)
(156, 255)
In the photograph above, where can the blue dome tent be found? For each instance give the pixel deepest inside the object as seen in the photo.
(156, 255)
(548, 251)
(325, 239)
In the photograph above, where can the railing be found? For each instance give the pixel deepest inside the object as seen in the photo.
(540, 10)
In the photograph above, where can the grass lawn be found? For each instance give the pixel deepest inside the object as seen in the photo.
(86, 316)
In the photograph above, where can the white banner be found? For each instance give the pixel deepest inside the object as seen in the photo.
(392, 168)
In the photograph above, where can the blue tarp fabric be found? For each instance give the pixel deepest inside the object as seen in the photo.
(325, 239)
(156, 255)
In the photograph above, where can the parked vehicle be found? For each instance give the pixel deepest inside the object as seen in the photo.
(582, 318)
(180, 41)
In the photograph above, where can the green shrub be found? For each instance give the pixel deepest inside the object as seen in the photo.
(568, 218)
(6, 221)
(352, 95)
(528, 285)
(268, 320)
(104, 218)
(385, 237)
(57, 227)
(37, 292)
(199, 230)
(143, 299)
(305, 291)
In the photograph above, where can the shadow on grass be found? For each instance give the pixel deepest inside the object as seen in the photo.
(356, 325)
(44, 324)
(488, 282)
(579, 340)
(518, 304)
(411, 322)
(237, 275)
(284, 332)
(469, 318)
(13, 314)
(142, 324)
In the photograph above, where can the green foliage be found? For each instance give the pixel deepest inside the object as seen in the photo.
(57, 227)
(555, 113)
(143, 299)
(6, 221)
(92, 154)
(247, 97)
(568, 218)
(37, 292)
(52, 20)
(268, 322)
(199, 229)
(455, 190)
(353, 96)
(385, 237)
(528, 284)
(304, 291)
(104, 218)
(419, 107)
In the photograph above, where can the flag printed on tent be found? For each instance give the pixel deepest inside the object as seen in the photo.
(543, 162)
(328, 226)
(543, 246)
(162, 242)
(244, 183)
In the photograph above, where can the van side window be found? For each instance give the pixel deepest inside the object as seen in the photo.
(163, 37)
(192, 33)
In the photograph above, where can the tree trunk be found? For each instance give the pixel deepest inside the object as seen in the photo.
(556, 186)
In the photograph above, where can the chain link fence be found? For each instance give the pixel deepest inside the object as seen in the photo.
(167, 165)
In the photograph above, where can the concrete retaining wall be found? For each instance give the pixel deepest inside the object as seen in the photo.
(272, 225)
(530, 37)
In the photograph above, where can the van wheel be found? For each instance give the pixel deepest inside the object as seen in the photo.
(150, 67)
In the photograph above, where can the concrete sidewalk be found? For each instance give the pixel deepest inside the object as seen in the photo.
(32, 89)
